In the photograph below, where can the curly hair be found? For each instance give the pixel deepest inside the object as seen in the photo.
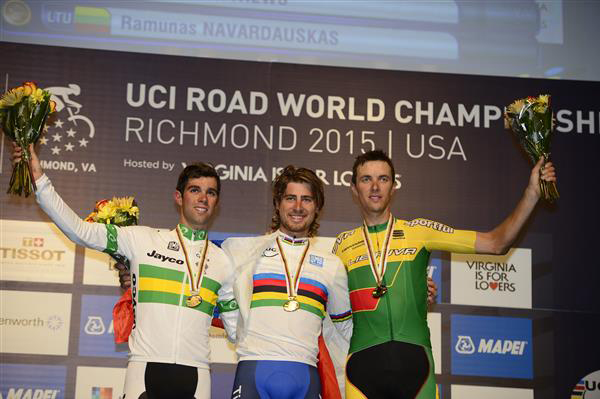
(291, 174)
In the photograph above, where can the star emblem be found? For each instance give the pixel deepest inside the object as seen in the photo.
(69, 147)
(58, 123)
(56, 137)
(83, 143)
(45, 128)
(55, 150)
(71, 132)
(43, 140)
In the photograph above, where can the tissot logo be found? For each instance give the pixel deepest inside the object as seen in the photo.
(31, 254)
(164, 258)
(491, 346)
(33, 241)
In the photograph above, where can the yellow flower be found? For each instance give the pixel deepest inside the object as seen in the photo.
(12, 97)
(134, 211)
(107, 212)
(516, 106)
(543, 98)
(124, 202)
(37, 96)
(540, 108)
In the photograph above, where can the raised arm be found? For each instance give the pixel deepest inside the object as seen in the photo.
(106, 238)
(499, 240)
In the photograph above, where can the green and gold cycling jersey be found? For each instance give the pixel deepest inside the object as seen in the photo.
(400, 314)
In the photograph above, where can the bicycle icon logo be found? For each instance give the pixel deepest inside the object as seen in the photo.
(61, 95)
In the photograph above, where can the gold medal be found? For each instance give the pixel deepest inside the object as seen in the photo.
(291, 305)
(378, 269)
(193, 301)
(379, 291)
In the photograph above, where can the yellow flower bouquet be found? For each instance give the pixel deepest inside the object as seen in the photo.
(23, 113)
(531, 120)
(119, 212)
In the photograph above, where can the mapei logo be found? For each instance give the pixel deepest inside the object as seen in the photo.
(32, 381)
(492, 346)
(464, 345)
(96, 331)
(69, 132)
(33, 241)
(588, 387)
(30, 393)
(94, 326)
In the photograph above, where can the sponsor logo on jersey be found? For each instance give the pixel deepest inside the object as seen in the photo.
(164, 258)
(32, 381)
(173, 246)
(316, 260)
(588, 387)
(398, 234)
(430, 224)
(270, 252)
(491, 346)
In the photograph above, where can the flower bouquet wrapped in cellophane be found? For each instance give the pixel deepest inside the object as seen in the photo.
(119, 212)
(531, 120)
(23, 113)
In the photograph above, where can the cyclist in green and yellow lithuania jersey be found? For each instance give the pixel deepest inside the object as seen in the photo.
(386, 259)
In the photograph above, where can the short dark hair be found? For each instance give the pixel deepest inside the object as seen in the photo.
(374, 155)
(195, 170)
(291, 174)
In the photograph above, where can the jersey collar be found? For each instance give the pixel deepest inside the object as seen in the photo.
(192, 235)
(378, 227)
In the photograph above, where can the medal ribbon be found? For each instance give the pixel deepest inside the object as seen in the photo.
(378, 270)
(292, 286)
(187, 263)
